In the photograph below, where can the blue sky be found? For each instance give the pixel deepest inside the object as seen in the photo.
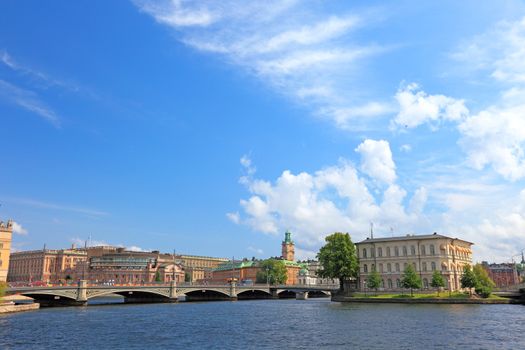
(212, 127)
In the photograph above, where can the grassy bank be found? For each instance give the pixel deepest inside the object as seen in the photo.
(442, 296)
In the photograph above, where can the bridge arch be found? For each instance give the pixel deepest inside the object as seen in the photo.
(129, 293)
(204, 294)
(254, 294)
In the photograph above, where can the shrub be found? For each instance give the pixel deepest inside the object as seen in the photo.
(484, 291)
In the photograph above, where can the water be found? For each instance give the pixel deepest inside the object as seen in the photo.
(267, 324)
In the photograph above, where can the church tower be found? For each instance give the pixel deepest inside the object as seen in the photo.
(6, 232)
(288, 250)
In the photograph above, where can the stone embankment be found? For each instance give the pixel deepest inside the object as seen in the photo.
(348, 299)
(9, 308)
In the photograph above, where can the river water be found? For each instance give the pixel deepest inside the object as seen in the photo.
(267, 324)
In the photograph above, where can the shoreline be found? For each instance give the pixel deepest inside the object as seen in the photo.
(348, 299)
(9, 308)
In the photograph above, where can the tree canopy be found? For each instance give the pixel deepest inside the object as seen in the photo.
(374, 280)
(338, 258)
(3, 287)
(437, 280)
(484, 283)
(272, 271)
(410, 279)
(468, 279)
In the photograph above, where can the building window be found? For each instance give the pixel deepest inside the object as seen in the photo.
(425, 283)
(414, 266)
(373, 252)
(423, 250)
(398, 283)
(432, 250)
(433, 266)
(373, 267)
(364, 252)
(381, 268)
(396, 251)
(405, 251)
(424, 266)
(365, 268)
(405, 265)
(388, 251)
(380, 252)
(397, 267)
(389, 283)
(412, 250)
(388, 267)
(382, 283)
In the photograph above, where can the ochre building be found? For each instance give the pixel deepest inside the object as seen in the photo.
(6, 233)
(426, 253)
(199, 268)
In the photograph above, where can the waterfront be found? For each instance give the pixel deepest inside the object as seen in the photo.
(267, 324)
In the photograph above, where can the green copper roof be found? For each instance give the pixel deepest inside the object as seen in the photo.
(287, 237)
(236, 265)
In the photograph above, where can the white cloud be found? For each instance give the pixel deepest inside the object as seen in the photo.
(246, 162)
(500, 52)
(29, 101)
(332, 199)
(376, 160)
(257, 251)
(416, 107)
(234, 217)
(306, 54)
(18, 229)
(405, 148)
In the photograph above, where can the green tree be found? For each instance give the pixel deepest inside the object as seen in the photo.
(3, 287)
(374, 280)
(437, 280)
(272, 271)
(338, 258)
(187, 277)
(157, 277)
(468, 279)
(484, 283)
(410, 279)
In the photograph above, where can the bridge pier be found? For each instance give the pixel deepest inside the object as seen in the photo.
(301, 295)
(82, 292)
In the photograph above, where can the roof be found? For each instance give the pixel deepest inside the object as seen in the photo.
(236, 265)
(408, 237)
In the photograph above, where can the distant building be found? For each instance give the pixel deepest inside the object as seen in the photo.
(503, 275)
(199, 268)
(45, 265)
(308, 275)
(247, 270)
(6, 233)
(426, 253)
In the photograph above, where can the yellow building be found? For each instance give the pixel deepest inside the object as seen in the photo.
(426, 253)
(199, 268)
(6, 233)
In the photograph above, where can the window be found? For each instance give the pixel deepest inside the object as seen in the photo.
(1, 245)
(389, 267)
(405, 265)
(364, 252)
(382, 283)
(373, 267)
(365, 268)
(412, 250)
(381, 268)
(405, 251)
(396, 251)
(389, 283)
(397, 267)
(432, 250)
(424, 266)
(373, 252)
(425, 283)
(398, 283)
(433, 266)
(380, 252)
(387, 251)
(414, 266)
(423, 250)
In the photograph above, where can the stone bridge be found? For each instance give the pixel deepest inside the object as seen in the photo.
(80, 294)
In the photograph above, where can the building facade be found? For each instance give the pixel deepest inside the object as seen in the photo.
(199, 268)
(503, 275)
(246, 270)
(45, 265)
(308, 275)
(6, 234)
(426, 253)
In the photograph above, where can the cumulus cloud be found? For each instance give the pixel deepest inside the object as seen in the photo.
(309, 55)
(18, 229)
(376, 160)
(332, 199)
(234, 217)
(416, 107)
